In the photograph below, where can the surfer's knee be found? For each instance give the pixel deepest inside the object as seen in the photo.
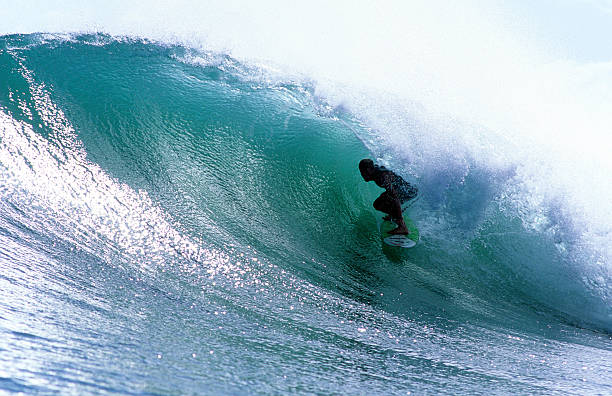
(382, 204)
(379, 204)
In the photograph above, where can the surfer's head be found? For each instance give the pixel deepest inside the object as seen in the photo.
(366, 167)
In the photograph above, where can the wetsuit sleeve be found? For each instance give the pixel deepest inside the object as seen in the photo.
(387, 179)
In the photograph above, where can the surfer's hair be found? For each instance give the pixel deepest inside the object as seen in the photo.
(365, 164)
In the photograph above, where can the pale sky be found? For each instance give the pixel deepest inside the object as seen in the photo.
(580, 30)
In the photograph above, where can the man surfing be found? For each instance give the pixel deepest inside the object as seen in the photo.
(397, 192)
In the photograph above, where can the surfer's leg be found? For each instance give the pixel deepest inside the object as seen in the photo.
(390, 205)
(384, 204)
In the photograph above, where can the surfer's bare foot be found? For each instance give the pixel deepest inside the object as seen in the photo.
(399, 231)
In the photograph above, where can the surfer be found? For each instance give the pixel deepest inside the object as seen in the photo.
(397, 192)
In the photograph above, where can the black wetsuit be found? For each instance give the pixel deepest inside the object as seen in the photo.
(397, 189)
(404, 190)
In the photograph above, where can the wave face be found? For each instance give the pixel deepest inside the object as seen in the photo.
(175, 220)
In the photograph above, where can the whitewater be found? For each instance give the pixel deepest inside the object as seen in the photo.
(181, 210)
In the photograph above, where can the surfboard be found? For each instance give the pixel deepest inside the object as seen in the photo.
(402, 241)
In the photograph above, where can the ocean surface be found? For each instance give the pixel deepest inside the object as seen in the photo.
(174, 220)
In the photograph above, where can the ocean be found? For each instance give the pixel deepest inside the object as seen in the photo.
(175, 219)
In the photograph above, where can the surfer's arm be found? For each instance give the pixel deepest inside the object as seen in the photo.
(387, 181)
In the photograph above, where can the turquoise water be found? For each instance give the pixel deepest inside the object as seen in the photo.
(175, 221)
